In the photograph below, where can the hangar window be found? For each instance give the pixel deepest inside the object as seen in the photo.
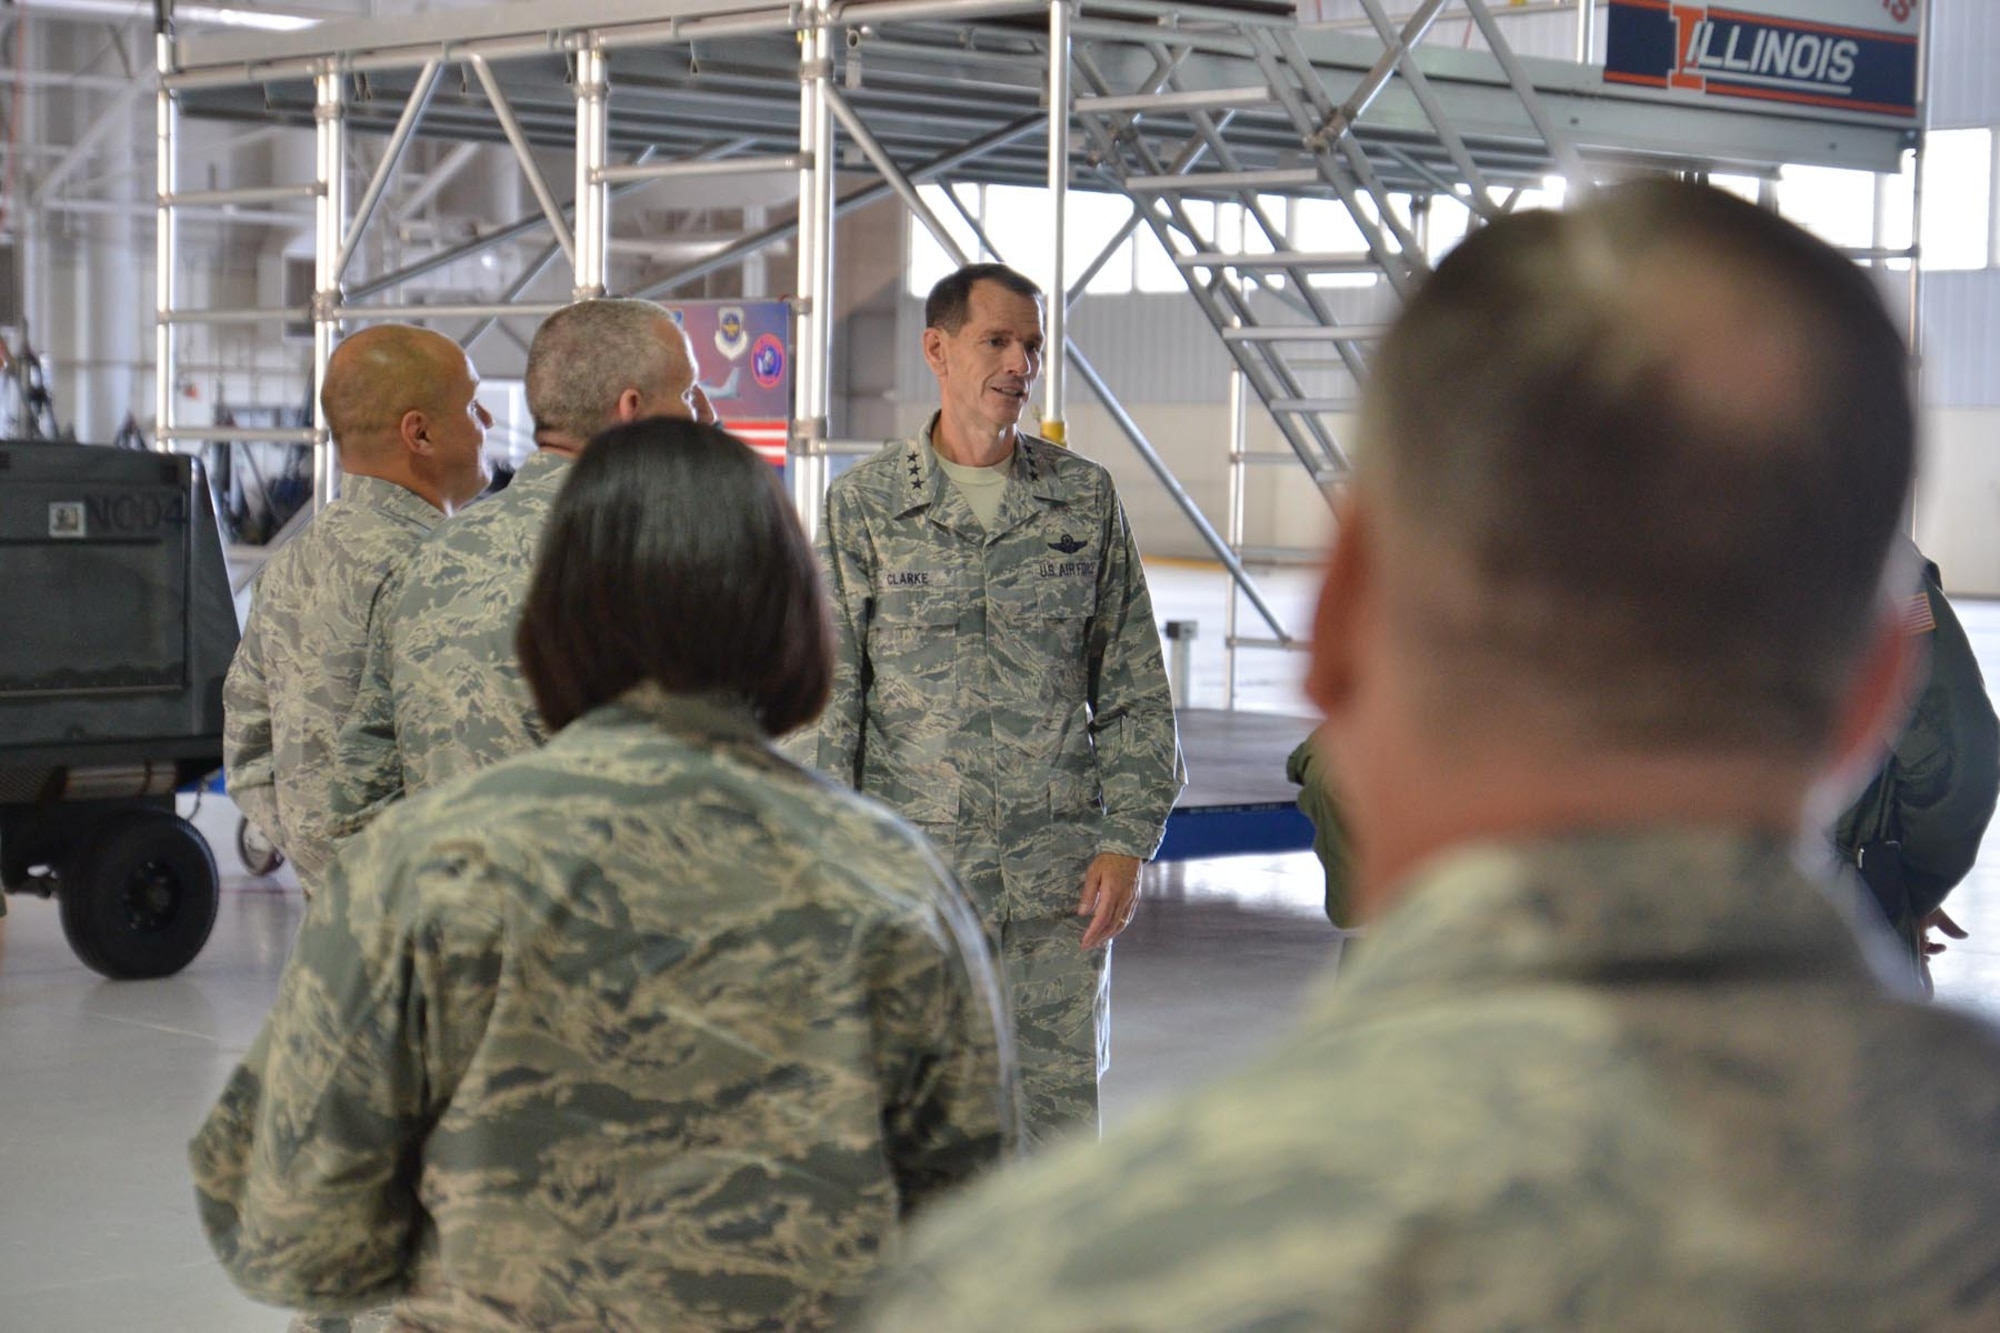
(1958, 199)
(1016, 218)
(1837, 205)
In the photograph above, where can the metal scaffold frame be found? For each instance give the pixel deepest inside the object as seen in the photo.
(1176, 102)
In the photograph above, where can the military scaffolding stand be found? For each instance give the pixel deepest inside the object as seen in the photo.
(1170, 104)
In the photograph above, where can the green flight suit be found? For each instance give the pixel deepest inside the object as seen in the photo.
(1914, 833)
(1316, 803)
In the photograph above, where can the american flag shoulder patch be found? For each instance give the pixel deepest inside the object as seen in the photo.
(1917, 617)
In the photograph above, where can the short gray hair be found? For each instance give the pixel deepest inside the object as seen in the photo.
(1675, 525)
(585, 355)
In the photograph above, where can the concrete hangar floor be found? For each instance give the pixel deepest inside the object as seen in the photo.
(102, 1083)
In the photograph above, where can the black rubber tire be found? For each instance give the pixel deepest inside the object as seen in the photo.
(140, 898)
(259, 854)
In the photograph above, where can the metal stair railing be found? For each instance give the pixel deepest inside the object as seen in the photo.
(1167, 143)
(1133, 132)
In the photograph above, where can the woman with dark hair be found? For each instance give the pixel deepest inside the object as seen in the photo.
(648, 1028)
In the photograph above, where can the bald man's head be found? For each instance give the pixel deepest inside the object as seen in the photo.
(401, 403)
(1644, 458)
(376, 375)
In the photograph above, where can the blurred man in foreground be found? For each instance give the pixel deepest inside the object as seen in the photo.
(1604, 633)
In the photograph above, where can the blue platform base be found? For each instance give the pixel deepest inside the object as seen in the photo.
(1200, 832)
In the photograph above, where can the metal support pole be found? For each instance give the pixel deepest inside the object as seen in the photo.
(365, 314)
(1088, 374)
(392, 157)
(255, 194)
(524, 152)
(1586, 31)
(871, 148)
(1074, 292)
(1925, 18)
(1055, 377)
(166, 112)
(246, 434)
(434, 182)
(536, 267)
(329, 227)
(703, 168)
(853, 199)
(811, 389)
(593, 147)
(1560, 146)
(519, 227)
(1239, 444)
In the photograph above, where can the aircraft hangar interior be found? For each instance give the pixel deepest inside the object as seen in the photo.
(1224, 205)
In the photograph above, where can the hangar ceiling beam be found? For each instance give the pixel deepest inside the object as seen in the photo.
(115, 116)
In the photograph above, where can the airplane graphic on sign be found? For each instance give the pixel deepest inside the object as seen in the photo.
(728, 335)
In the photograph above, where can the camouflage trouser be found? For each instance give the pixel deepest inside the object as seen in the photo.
(1062, 1023)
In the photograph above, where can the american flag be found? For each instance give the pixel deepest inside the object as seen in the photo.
(766, 437)
(1917, 617)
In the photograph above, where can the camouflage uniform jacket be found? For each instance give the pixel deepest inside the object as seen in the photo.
(298, 668)
(443, 693)
(1004, 690)
(1634, 1082)
(647, 1029)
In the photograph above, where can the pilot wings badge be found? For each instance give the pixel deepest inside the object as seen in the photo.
(1068, 545)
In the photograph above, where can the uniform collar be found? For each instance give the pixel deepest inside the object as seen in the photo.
(389, 498)
(1606, 907)
(544, 466)
(693, 717)
(924, 485)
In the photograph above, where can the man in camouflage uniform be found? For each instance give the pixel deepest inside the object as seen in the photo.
(401, 405)
(441, 1110)
(998, 678)
(1606, 608)
(442, 694)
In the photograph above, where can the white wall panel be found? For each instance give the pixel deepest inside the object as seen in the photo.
(1965, 63)
(1958, 498)
(1962, 339)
